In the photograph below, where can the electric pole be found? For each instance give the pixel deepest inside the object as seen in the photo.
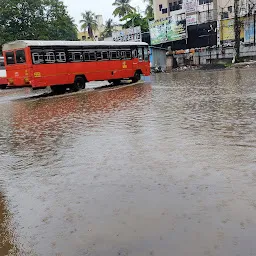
(237, 29)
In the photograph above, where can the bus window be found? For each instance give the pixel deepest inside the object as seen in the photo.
(92, 56)
(37, 58)
(2, 67)
(10, 58)
(123, 55)
(20, 56)
(98, 55)
(76, 57)
(134, 53)
(86, 56)
(49, 57)
(61, 57)
(140, 54)
(128, 55)
(105, 56)
(146, 57)
(114, 55)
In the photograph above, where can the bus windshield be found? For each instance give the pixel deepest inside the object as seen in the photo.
(20, 57)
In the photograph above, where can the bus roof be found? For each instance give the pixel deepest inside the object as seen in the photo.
(25, 43)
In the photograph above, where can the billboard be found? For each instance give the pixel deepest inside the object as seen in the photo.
(190, 6)
(128, 35)
(191, 19)
(227, 30)
(249, 30)
(167, 30)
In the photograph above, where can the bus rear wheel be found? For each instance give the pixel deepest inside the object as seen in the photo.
(79, 84)
(115, 81)
(136, 77)
(58, 89)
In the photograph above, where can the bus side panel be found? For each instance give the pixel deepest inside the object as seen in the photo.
(56, 73)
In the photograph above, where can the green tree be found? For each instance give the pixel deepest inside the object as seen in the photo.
(89, 22)
(134, 19)
(109, 26)
(35, 20)
(149, 9)
(123, 7)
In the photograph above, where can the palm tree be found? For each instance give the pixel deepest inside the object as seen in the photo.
(108, 28)
(123, 7)
(149, 9)
(89, 22)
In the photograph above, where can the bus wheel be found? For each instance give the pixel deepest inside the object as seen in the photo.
(58, 89)
(79, 84)
(116, 82)
(136, 77)
(3, 86)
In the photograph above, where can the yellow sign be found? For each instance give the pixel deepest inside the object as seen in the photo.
(124, 65)
(37, 74)
(227, 30)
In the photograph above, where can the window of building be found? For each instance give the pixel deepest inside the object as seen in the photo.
(61, 57)
(164, 11)
(205, 1)
(49, 57)
(171, 7)
(160, 7)
(10, 58)
(224, 15)
(37, 57)
(20, 56)
(230, 9)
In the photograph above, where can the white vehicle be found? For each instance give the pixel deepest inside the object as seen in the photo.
(3, 78)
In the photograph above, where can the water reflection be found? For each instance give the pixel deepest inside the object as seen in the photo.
(6, 239)
(139, 170)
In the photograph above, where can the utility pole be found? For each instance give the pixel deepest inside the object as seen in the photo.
(237, 29)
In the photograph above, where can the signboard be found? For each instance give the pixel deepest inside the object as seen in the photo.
(128, 35)
(227, 30)
(190, 6)
(191, 19)
(249, 30)
(167, 30)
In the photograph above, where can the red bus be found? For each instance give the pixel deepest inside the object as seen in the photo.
(3, 78)
(70, 64)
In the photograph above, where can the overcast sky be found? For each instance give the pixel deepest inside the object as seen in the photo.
(103, 7)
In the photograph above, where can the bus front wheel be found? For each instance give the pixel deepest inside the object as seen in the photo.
(79, 84)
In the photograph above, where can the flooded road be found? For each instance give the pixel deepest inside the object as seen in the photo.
(161, 168)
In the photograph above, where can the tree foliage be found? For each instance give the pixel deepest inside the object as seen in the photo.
(149, 9)
(89, 22)
(123, 7)
(109, 26)
(35, 20)
(134, 19)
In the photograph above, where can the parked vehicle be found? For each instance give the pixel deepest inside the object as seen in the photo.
(3, 78)
(70, 64)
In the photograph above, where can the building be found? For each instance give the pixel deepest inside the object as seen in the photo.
(195, 23)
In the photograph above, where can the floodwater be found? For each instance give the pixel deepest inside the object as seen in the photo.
(166, 168)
